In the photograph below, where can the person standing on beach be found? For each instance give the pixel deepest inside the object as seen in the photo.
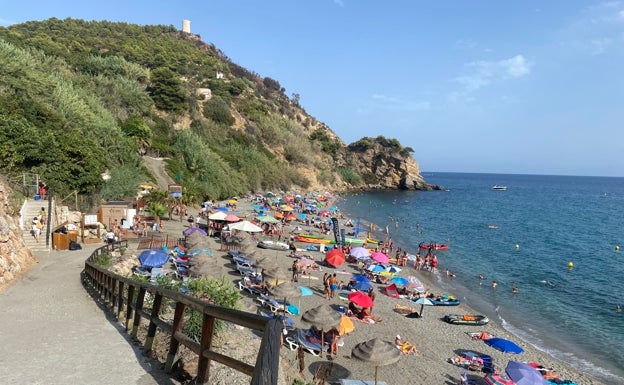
(326, 292)
(371, 294)
(333, 285)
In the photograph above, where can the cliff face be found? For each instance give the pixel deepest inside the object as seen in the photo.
(384, 166)
(15, 257)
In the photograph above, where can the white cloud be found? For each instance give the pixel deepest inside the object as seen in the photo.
(600, 46)
(486, 72)
(398, 104)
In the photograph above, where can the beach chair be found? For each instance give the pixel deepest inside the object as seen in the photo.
(304, 340)
(290, 323)
(251, 289)
(245, 269)
(391, 291)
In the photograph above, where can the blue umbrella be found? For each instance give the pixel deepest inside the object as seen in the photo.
(302, 216)
(153, 258)
(524, 374)
(362, 286)
(399, 281)
(360, 278)
(222, 208)
(504, 345)
(191, 230)
(377, 269)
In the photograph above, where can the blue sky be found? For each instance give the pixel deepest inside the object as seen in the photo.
(526, 87)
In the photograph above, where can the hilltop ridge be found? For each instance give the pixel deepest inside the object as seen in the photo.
(97, 96)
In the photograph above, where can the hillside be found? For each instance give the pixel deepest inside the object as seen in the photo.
(78, 99)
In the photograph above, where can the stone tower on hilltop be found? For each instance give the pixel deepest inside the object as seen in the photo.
(186, 26)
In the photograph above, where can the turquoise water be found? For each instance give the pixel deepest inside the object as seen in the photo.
(553, 220)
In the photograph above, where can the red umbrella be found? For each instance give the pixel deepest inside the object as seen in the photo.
(335, 257)
(380, 257)
(360, 299)
(232, 218)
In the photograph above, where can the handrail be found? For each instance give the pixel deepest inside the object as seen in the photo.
(125, 297)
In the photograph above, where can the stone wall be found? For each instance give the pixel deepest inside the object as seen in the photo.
(15, 257)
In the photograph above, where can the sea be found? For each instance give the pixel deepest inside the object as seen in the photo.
(555, 238)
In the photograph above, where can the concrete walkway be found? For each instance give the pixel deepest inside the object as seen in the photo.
(53, 332)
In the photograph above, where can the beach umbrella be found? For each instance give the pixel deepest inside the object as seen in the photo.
(245, 226)
(504, 345)
(360, 278)
(377, 352)
(153, 258)
(268, 219)
(359, 252)
(276, 272)
(192, 230)
(265, 262)
(414, 284)
(402, 281)
(380, 257)
(323, 317)
(231, 218)
(302, 216)
(217, 216)
(286, 290)
(376, 268)
(362, 286)
(524, 374)
(346, 326)
(423, 301)
(360, 299)
(207, 269)
(335, 257)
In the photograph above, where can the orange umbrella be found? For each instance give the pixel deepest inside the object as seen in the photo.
(346, 326)
(279, 215)
(335, 257)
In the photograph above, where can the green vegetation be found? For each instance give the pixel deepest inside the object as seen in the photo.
(81, 98)
(217, 292)
(104, 260)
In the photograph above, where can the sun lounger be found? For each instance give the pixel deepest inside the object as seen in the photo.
(311, 347)
(275, 304)
(253, 290)
(244, 270)
(290, 323)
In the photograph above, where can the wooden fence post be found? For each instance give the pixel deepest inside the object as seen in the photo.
(151, 330)
(203, 366)
(267, 364)
(178, 325)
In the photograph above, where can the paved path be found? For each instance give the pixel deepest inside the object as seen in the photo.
(53, 332)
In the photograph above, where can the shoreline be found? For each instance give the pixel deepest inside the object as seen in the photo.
(437, 341)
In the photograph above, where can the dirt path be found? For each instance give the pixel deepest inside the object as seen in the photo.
(157, 168)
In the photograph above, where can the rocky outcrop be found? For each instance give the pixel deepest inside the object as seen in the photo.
(384, 164)
(15, 257)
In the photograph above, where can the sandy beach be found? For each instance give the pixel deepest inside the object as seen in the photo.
(436, 340)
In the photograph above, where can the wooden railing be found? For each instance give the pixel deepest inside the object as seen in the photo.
(126, 298)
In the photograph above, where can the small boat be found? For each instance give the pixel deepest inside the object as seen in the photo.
(273, 245)
(499, 187)
(466, 319)
(445, 300)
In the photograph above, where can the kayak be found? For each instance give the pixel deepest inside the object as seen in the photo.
(445, 300)
(372, 241)
(312, 240)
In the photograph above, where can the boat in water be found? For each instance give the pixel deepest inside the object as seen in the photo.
(499, 187)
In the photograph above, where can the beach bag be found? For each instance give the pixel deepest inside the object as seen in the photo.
(74, 246)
